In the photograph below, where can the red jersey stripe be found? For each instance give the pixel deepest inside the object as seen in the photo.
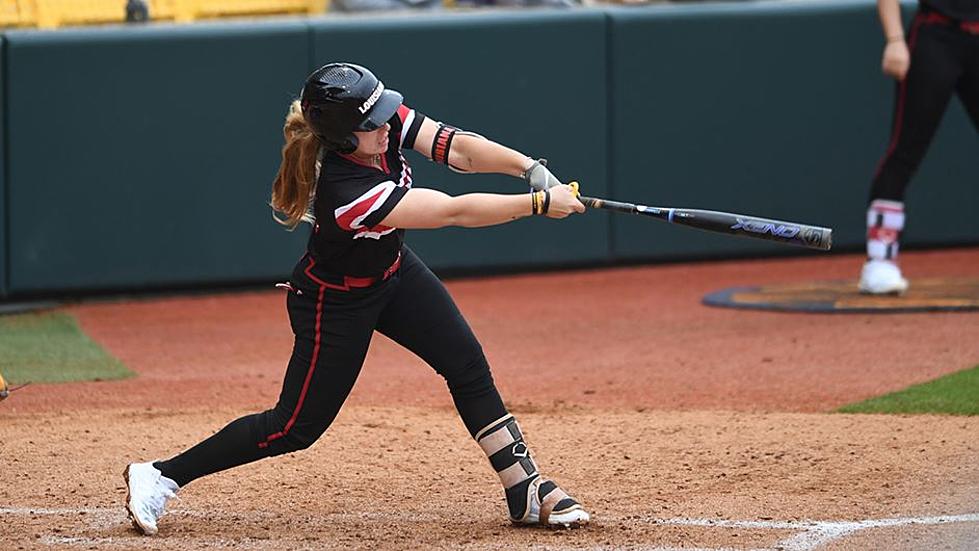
(346, 220)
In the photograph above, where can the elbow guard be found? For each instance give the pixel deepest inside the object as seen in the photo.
(442, 145)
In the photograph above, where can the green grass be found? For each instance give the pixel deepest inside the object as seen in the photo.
(955, 394)
(49, 347)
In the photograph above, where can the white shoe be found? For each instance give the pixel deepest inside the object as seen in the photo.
(148, 492)
(882, 277)
(550, 506)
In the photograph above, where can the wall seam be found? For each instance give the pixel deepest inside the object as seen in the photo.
(310, 47)
(5, 113)
(609, 137)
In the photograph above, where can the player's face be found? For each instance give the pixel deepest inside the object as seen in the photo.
(374, 142)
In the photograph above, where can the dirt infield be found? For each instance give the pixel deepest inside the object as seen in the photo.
(679, 425)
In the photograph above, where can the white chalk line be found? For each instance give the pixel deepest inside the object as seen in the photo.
(254, 515)
(811, 533)
(816, 533)
(127, 543)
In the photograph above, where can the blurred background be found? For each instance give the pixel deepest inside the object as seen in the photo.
(140, 139)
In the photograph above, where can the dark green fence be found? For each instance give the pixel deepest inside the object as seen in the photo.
(3, 175)
(772, 109)
(534, 81)
(142, 157)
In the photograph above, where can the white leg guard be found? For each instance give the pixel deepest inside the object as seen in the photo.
(881, 274)
(530, 498)
(885, 222)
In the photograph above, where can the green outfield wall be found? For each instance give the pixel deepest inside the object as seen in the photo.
(140, 157)
(774, 109)
(3, 178)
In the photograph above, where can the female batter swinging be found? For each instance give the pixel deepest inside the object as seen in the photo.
(343, 172)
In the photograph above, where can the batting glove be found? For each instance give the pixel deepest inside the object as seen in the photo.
(539, 177)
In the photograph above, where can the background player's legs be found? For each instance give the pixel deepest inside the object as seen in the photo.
(423, 318)
(880, 273)
(333, 332)
(920, 101)
(968, 86)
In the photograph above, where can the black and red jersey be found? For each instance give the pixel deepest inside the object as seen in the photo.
(958, 10)
(351, 200)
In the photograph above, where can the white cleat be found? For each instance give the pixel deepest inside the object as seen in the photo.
(147, 494)
(549, 505)
(570, 518)
(882, 277)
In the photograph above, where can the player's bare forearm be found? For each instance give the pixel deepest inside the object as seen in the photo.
(428, 208)
(889, 12)
(475, 210)
(477, 154)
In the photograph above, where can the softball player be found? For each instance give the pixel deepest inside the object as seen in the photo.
(940, 56)
(343, 171)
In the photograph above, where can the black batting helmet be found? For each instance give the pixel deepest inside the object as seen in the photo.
(339, 98)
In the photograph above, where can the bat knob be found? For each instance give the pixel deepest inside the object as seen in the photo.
(574, 188)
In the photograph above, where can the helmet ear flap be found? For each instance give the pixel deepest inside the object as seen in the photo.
(347, 146)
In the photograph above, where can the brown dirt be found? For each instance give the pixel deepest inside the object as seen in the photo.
(646, 404)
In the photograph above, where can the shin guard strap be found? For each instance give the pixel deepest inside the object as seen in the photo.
(503, 443)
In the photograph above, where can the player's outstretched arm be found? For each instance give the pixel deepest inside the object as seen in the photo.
(469, 152)
(427, 208)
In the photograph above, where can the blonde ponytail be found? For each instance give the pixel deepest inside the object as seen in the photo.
(295, 184)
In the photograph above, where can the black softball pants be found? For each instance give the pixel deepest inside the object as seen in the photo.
(333, 328)
(944, 59)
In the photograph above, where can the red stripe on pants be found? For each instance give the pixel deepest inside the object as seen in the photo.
(309, 375)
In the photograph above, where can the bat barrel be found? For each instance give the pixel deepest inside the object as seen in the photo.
(791, 233)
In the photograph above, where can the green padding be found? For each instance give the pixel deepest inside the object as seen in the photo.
(533, 81)
(771, 109)
(144, 156)
(3, 181)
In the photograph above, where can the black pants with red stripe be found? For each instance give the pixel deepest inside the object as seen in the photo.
(944, 60)
(333, 329)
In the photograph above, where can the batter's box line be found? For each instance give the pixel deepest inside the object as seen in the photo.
(814, 533)
(810, 535)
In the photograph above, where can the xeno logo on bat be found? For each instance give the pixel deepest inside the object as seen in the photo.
(757, 226)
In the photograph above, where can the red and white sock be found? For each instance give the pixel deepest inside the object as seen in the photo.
(885, 221)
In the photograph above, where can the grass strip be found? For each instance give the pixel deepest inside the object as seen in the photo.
(955, 394)
(50, 347)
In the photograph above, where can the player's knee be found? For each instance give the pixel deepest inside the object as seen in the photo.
(472, 379)
(300, 440)
(298, 436)
(301, 437)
